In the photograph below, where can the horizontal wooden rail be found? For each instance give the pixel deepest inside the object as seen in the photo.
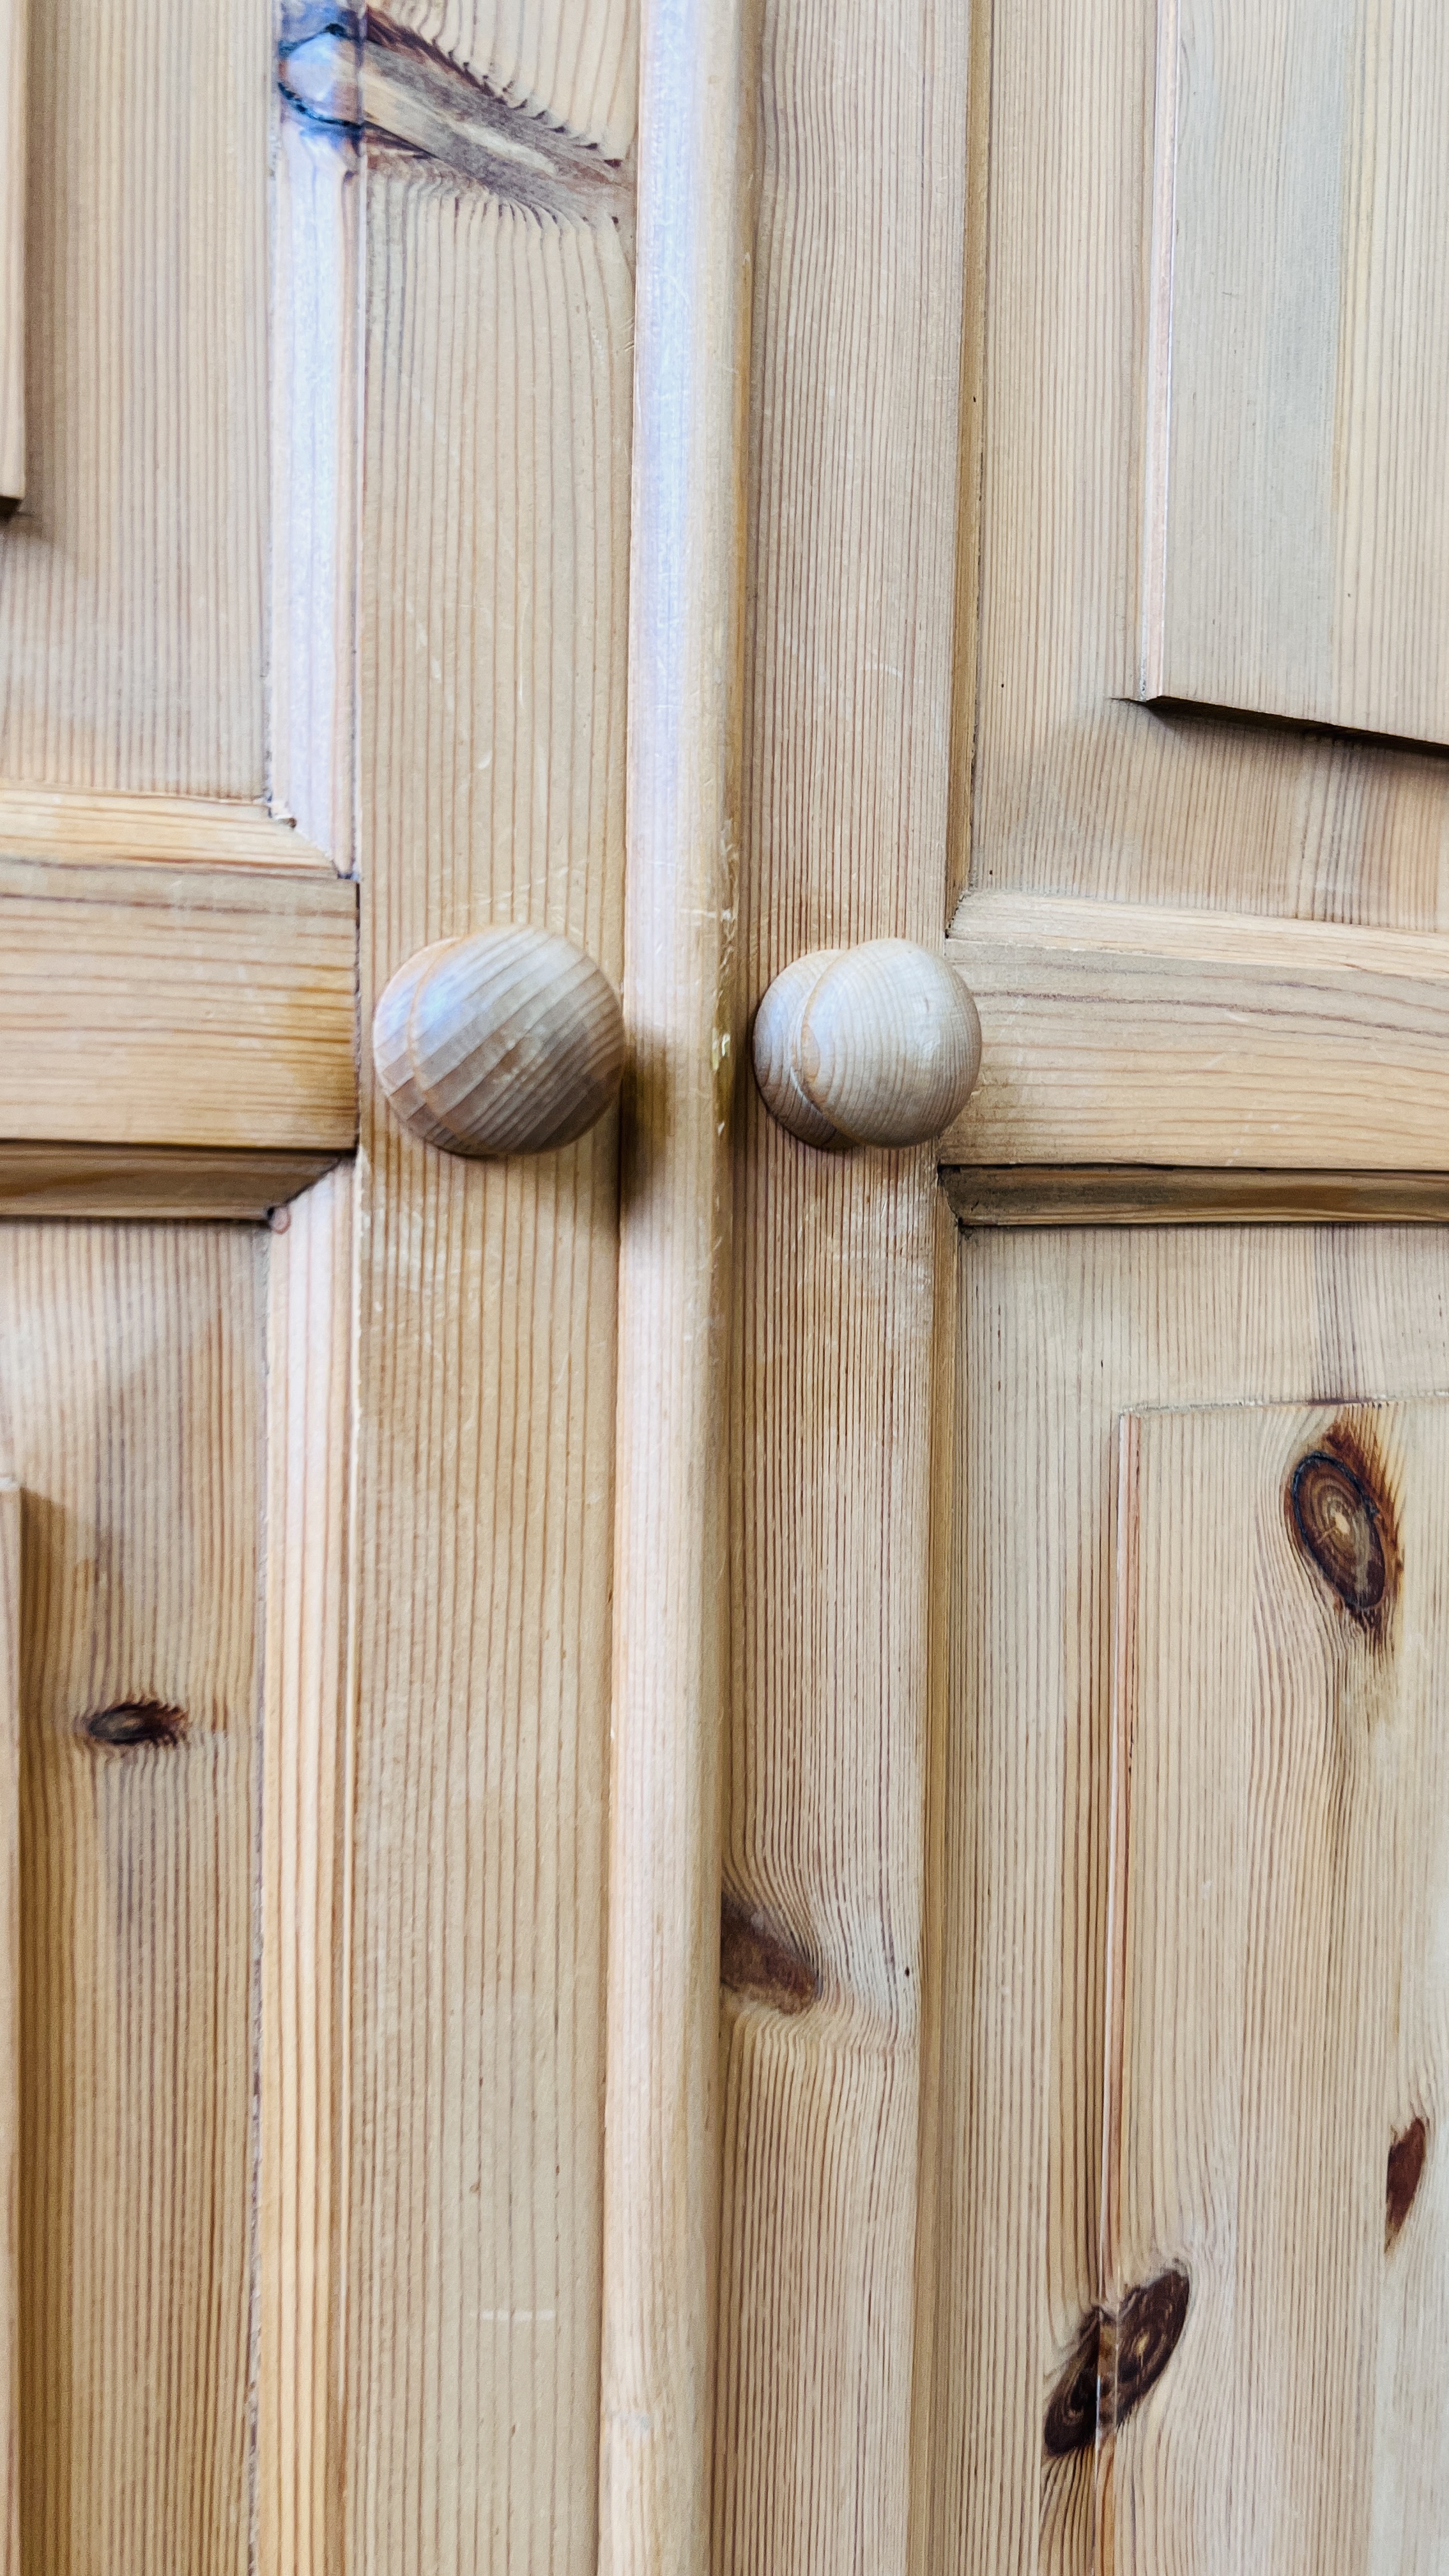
(1126, 1035)
(173, 1039)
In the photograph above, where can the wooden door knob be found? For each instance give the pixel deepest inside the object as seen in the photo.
(507, 1042)
(876, 1045)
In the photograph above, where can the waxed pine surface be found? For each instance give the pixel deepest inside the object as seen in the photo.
(131, 1384)
(1060, 1333)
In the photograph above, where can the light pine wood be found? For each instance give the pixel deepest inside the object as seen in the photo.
(157, 1006)
(1061, 1332)
(1155, 1194)
(697, 83)
(875, 1045)
(1117, 1033)
(1297, 551)
(855, 387)
(132, 585)
(14, 136)
(10, 2109)
(1075, 790)
(496, 368)
(131, 1383)
(302, 2142)
(507, 1042)
(201, 831)
(1275, 2007)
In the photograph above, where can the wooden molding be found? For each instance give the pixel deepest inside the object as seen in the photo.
(671, 1524)
(138, 1181)
(1138, 1036)
(184, 831)
(1127, 1194)
(199, 1008)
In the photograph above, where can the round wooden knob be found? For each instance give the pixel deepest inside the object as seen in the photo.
(508, 1042)
(876, 1045)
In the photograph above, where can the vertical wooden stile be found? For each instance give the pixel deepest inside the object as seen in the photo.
(9, 2026)
(12, 251)
(837, 1291)
(670, 1649)
(309, 1389)
(495, 346)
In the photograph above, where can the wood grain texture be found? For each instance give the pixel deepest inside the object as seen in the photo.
(136, 1181)
(856, 373)
(199, 831)
(14, 138)
(1276, 2009)
(697, 84)
(1297, 551)
(131, 1376)
(299, 2445)
(1117, 1033)
(1155, 1194)
(1075, 790)
(10, 2114)
(150, 1005)
(1062, 1331)
(132, 583)
(497, 365)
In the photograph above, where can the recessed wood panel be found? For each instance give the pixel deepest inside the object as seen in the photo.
(1061, 1332)
(1297, 555)
(1070, 786)
(1277, 2059)
(131, 1380)
(132, 580)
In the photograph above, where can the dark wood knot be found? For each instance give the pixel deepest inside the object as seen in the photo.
(1115, 2361)
(1407, 2158)
(1338, 1522)
(135, 1722)
(753, 1960)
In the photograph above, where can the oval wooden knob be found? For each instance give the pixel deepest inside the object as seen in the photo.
(876, 1045)
(507, 1042)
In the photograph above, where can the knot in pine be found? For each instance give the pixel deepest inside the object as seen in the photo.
(1116, 2361)
(134, 1722)
(1337, 1520)
(1407, 2158)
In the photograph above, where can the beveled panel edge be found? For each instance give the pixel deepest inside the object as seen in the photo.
(175, 1183)
(1153, 1194)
